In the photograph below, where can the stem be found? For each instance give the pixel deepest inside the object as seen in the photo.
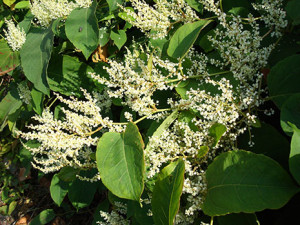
(212, 221)
(198, 76)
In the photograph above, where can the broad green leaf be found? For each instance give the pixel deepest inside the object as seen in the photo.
(206, 44)
(165, 125)
(292, 10)
(167, 192)
(239, 11)
(294, 160)
(123, 15)
(103, 36)
(44, 217)
(68, 174)
(9, 104)
(202, 151)
(184, 38)
(113, 4)
(284, 79)
(22, 5)
(37, 101)
(119, 38)
(37, 48)
(58, 189)
(67, 75)
(82, 29)
(9, 2)
(26, 22)
(8, 59)
(238, 219)
(138, 213)
(12, 207)
(216, 131)
(290, 113)
(195, 4)
(227, 5)
(240, 181)
(25, 156)
(120, 161)
(268, 141)
(187, 116)
(81, 193)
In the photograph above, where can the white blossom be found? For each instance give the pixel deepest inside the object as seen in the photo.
(15, 36)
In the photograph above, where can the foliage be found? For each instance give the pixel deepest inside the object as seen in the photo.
(151, 112)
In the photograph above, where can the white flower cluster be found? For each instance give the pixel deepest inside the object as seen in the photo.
(15, 36)
(160, 17)
(136, 79)
(24, 93)
(273, 15)
(47, 10)
(67, 142)
(116, 216)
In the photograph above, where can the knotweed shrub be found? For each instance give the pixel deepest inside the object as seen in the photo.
(148, 98)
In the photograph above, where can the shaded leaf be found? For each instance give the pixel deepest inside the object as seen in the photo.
(58, 189)
(37, 48)
(294, 160)
(8, 59)
(284, 78)
(290, 113)
(44, 217)
(240, 181)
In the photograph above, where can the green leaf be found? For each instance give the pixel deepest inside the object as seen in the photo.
(238, 219)
(82, 29)
(68, 174)
(240, 181)
(227, 5)
(165, 125)
(9, 104)
(113, 4)
(58, 189)
(81, 193)
(44, 217)
(292, 10)
(12, 207)
(67, 75)
(216, 131)
(290, 113)
(139, 213)
(9, 60)
(195, 4)
(22, 5)
(120, 161)
(268, 141)
(184, 38)
(167, 192)
(103, 36)
(203, 150)
(37, 48)
(294, 160)
(26, 22)
(119, 38)
(37, 101)
(9, 2)
(284, 79)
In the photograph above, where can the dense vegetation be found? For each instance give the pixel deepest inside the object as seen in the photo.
(150, 112)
